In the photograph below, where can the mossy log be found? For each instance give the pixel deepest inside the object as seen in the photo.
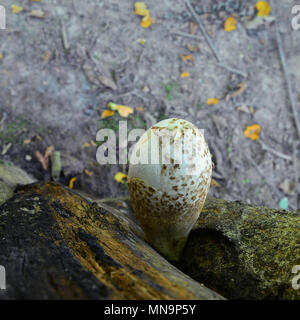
(54, 244)
(243, 251)
(57, 244)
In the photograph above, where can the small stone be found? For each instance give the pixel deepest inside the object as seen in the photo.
(28, 157)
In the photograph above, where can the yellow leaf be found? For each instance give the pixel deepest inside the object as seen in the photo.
(71, 182)
(146, 21)
(88, 173)
(212, 101)
(230, 24)
(120, 177)
(142, 41)
(1, 56)
(16, 9)
(140, 9)
(124, 111)
(263, 8)
(86, 145)
(252, 132)
(107, 113)
(184, 75)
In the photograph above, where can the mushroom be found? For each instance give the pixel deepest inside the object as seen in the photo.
(168, 180)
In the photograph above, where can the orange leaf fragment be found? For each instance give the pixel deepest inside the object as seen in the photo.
(107, 113)
(252, 132)
(184, 75)
(146, 21)
(187, 58)
(214, 183)
(212, 101)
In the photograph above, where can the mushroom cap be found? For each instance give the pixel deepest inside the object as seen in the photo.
(168, 195)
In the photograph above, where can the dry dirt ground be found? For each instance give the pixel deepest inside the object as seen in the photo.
(51, 93)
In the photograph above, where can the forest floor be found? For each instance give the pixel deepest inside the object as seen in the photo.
(60, 68)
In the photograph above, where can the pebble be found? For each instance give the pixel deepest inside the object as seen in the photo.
(28, 157)
(88, 112)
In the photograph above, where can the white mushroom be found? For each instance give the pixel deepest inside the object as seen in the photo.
(168, 189)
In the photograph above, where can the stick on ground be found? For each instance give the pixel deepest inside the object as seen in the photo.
(211, 45)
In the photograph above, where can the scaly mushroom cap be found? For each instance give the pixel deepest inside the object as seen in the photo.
(168, 189)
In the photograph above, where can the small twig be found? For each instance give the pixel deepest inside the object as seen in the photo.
(233, 70)
(207, 38)
(279, 154)
(188, 35)
(64, 36)
(288, 82)
(211, 45)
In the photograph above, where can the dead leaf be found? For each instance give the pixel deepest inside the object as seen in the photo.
(124, 111)
(46, 56)
(184, 75)
(193, 27)
(287, 186)
(41, 160)
(140, 9)
(140, 109)
(258, 21)
(71, 182)
(193, 48)
(244, 108)
(263, 8)
(107, 82)
(187, 58)
(6, 148)
(49, 151)
(120, 177)
(38, 14)
(212, 101)
(16, 9)
(230, 24)
(26, 141)
(107, 113)
(88, 173)
(146, 21)
(252, 132)
(241, 88)
(214, 183)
